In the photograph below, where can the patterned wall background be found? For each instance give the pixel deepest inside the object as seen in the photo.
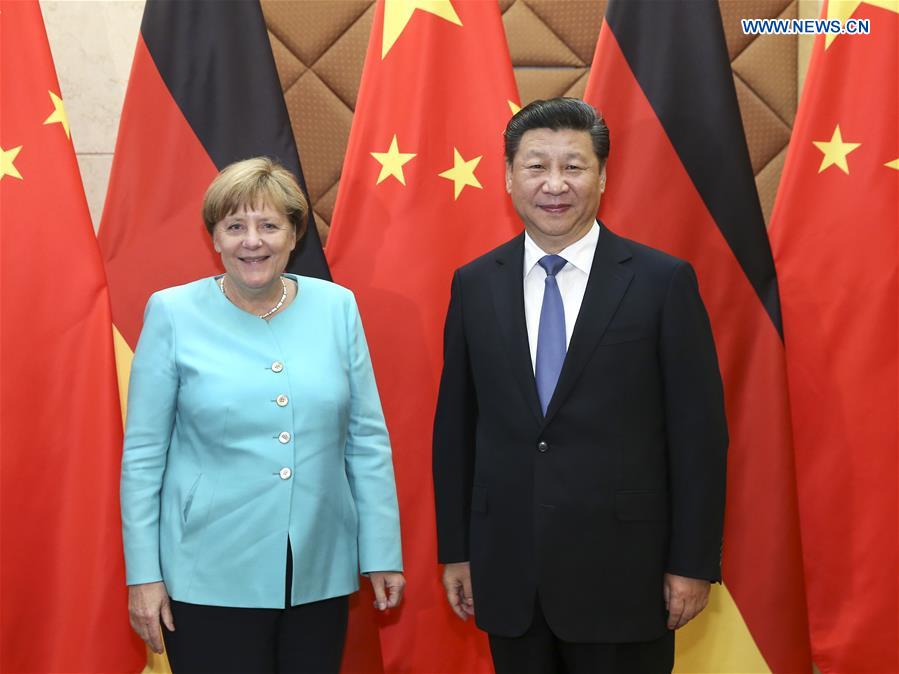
(319, 48)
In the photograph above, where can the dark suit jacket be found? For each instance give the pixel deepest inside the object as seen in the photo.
(624, 478)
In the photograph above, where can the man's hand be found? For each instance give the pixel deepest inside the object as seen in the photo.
(388, 587)
(457, 582)
(684, 599)
(146, 604)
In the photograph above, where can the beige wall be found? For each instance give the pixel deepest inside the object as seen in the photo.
(93, 45)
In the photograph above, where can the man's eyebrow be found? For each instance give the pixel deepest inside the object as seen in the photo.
(573, 154)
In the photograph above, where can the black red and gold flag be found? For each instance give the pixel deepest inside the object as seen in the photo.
(63, 603)
(203, 93)
(680, 179)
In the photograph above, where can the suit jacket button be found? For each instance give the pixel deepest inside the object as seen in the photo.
(542, 446)
(277, 366)
(284, 437)
(281, 400)
(285, 473)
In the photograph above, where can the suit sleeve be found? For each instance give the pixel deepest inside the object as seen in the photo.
(369, 464)
(696, 428)
(152, 398)
(454, 437)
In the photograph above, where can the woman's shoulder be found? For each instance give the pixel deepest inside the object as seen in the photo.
(324, 290)
(186, 293)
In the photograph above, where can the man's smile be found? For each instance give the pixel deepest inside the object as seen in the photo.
(554, 208)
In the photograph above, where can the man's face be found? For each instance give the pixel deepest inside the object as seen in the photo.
(555, 183)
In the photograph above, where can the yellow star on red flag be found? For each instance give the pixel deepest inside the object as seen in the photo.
(835, 151)
(844, 9)
(58, 116)
(398, 13)
(392, 162)
(7, 157)
(893, 164)
(462, 173)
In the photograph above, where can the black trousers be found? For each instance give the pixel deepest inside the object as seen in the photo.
(307, 638)
(302, 639)
(539, 651)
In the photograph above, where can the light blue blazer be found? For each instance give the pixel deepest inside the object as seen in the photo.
(243, 432)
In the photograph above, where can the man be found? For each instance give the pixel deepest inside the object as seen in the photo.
(580, 438)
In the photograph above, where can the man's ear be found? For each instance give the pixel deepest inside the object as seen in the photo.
(508, 177)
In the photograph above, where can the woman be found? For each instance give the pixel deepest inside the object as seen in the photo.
(257, 480)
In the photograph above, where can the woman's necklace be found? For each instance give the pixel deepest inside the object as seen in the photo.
(270, 311)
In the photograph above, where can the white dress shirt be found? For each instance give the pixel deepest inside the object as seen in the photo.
(572, 282)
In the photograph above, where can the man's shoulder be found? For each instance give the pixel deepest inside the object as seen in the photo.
(505, 253)
(642, 254)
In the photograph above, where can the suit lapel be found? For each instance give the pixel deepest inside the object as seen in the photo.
(507, 285)
(608, 281)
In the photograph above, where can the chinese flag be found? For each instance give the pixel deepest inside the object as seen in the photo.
(679, 179)
(834, 236)
(422, 192)
(63, 602)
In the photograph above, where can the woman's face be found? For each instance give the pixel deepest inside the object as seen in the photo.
(254, 245)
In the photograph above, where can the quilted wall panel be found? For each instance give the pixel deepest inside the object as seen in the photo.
(319, 48)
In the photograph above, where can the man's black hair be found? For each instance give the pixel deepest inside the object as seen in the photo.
(558, 114)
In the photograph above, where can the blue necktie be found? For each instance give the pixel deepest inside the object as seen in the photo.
(551, 335)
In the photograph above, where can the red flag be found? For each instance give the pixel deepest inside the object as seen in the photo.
(834, 235)
(422, 192)
(63, 606)
(679, 179)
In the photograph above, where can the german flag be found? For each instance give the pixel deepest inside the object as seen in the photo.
(679, 179)
(203, 93)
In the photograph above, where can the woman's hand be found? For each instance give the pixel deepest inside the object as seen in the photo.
(146, 604)
(388, 587)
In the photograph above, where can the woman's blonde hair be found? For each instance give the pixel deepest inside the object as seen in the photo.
(252, 183)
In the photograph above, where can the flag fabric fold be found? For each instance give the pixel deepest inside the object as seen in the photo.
(834, 236)
(679, 179)
(63, 604)
(422, 192)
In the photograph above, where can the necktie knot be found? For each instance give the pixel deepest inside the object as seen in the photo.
(552, 264)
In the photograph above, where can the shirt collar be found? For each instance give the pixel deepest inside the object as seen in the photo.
(579, 254)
